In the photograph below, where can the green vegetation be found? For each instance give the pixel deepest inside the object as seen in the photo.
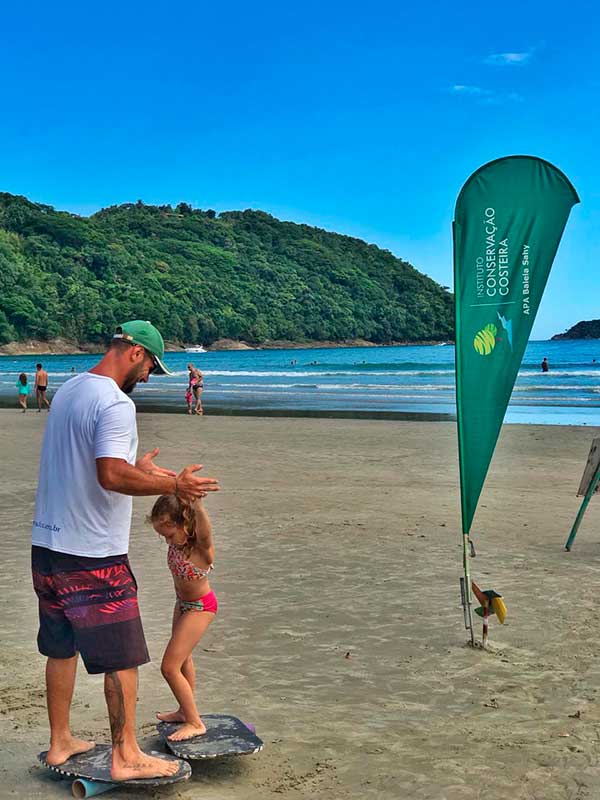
(586, 329)
(200, 276)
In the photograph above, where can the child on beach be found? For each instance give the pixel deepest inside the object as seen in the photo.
(188, 399)
(188, 532)
(23, 388)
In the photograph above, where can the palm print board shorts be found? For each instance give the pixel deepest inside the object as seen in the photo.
(90, 606)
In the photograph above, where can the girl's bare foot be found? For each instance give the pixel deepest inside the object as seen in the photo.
(170, 716)
(61, 751)
(187, 731)
(142, 766)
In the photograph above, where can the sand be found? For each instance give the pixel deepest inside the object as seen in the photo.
(340, 633)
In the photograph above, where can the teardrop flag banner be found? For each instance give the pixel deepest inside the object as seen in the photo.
(508, 222)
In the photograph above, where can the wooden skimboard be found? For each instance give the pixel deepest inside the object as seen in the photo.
(591, 468)
(95, 766)
(225, 736)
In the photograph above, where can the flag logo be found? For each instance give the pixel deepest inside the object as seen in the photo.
(485, 340)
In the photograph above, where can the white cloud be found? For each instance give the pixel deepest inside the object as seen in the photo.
(509, 59)
(460, 88)
(485, 95)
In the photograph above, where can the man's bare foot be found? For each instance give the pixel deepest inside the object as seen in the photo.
(143, 766)
(171, 716)
(63, 750)
(187, 731)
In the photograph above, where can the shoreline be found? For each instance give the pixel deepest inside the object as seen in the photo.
(7, 402)
(174, 410)
(69, 347)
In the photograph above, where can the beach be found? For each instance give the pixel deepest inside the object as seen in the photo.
(340, 633)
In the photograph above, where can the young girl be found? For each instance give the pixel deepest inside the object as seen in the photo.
(188, 533)
(188, 399)
(23, 388)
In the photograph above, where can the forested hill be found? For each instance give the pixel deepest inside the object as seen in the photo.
(586, 329)
(200, 276)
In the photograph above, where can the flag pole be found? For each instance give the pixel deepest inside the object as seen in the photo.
(465, 588)
(465, 581)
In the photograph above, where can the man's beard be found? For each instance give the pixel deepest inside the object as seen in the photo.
(131, 380)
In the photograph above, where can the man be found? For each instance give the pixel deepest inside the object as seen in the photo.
(41, 385)
(198, 389)
(545, 365)
(87, 592)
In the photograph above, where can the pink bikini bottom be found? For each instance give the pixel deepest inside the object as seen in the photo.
(208, 602)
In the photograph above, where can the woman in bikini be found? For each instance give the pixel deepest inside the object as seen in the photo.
(194, 390)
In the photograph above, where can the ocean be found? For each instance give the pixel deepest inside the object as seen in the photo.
(371, 380)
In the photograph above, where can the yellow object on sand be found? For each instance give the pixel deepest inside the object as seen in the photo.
(499, 609)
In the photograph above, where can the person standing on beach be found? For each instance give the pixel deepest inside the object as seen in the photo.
(23, 389)
(545, 366)
(195, 387)
(80, 537)
(41, 385)
(198, 389)
(189, 399)
(189, 395)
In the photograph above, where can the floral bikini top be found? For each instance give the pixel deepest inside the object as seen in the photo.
(181, 567)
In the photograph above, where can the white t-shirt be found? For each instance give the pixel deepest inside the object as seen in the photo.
(90, 418)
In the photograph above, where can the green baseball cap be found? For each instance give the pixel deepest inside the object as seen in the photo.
(140, 331)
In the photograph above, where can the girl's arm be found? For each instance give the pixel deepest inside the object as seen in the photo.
(204, 540)
(202, 525)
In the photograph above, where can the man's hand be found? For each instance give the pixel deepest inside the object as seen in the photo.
(146, 464)
(190, 486)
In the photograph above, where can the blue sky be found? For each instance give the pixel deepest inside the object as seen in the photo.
(362, 118)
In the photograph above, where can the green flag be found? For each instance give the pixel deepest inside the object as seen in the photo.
(509, 219)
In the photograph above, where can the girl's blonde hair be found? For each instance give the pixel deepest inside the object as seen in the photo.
(179, 512)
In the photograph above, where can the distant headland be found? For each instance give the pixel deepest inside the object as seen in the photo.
(586, 329)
